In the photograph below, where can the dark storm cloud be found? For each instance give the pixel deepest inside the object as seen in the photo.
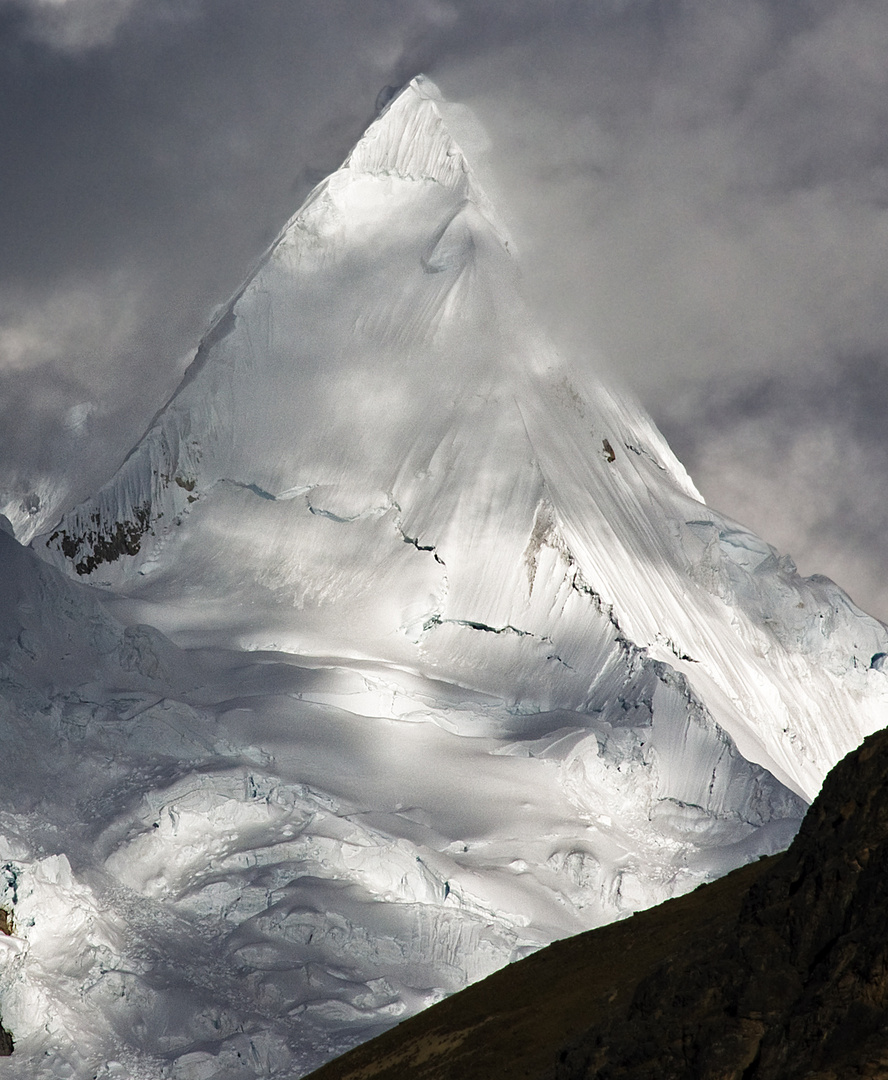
(699, 190)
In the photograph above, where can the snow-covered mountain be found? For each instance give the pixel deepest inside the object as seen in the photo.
(452, 660)
(376, 455)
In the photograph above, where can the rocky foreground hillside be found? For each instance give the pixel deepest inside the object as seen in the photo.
(779, 970)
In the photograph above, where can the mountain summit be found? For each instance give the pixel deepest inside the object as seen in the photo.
(415, 649)
(377, 455)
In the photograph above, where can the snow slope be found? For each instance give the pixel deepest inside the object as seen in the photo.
(227, 864)
(452, 660)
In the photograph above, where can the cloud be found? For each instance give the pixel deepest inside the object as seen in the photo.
(804, 460)
(77, 26)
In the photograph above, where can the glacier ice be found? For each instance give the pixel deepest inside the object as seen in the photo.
(395, 649)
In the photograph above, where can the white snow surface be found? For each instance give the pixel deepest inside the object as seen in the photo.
(395, 650)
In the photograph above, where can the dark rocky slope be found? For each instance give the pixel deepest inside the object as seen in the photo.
(798, 985)
(779, 970)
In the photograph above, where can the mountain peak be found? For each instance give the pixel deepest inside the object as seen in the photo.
(410, 139)
(378, 454)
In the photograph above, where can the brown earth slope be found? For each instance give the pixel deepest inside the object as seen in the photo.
(778, 970)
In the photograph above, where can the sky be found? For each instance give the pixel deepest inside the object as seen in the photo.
(699, 193)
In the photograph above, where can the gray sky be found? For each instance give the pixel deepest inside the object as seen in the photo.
(700, 192)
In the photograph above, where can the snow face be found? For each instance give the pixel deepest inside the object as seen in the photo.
(452, 660)
(228, 864)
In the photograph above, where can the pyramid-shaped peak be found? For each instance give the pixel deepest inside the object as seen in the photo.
(410, 139)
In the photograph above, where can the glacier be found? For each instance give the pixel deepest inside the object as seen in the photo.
(397, 648)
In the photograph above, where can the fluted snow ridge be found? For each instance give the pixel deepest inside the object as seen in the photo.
(410, 139)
